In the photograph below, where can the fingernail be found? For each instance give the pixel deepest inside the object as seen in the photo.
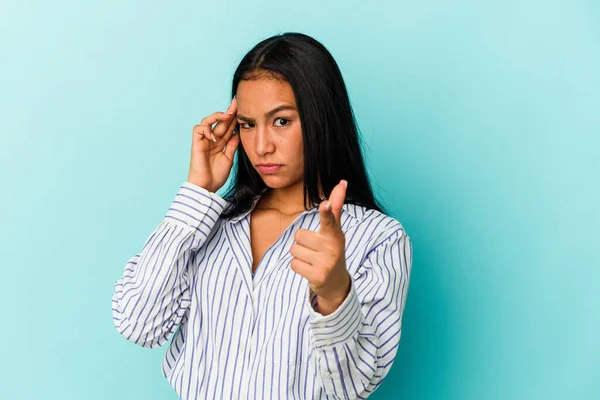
(213, 137)
(328, 206)
(345, 183)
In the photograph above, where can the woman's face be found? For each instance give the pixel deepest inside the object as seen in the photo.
(270, 130)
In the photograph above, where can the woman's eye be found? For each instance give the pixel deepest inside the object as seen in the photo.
(243, 125)
(282, 119)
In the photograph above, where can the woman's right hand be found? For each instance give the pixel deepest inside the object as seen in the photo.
(209, 164)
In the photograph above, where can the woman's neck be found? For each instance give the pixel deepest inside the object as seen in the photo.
(288, 200)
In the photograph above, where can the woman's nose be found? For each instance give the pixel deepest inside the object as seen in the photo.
(263, 140)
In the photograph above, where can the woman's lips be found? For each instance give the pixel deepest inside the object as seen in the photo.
(269, 169)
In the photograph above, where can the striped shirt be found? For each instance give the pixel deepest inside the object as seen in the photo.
(257, 336)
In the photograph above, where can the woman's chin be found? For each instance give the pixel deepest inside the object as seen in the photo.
(276, 182)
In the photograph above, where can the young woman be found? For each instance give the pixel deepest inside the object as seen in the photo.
(293, 283)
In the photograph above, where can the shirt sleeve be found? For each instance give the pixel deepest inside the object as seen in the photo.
(152, 297)
(354, 347)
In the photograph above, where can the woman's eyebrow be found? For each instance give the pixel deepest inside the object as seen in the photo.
(269, 113)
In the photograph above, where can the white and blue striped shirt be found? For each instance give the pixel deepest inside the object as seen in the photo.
(239, 335)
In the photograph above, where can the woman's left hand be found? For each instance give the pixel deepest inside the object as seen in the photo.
(320, 256)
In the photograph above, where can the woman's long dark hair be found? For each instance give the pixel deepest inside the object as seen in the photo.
(330, 136)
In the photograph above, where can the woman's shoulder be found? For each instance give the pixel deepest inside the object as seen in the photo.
(374, 239)
(373, 225)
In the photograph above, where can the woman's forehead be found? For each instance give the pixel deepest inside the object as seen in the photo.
(264, 93)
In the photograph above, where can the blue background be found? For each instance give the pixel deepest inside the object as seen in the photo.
(481, 122)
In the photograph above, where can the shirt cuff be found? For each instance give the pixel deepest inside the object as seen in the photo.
(338, 327)
(196, 206)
